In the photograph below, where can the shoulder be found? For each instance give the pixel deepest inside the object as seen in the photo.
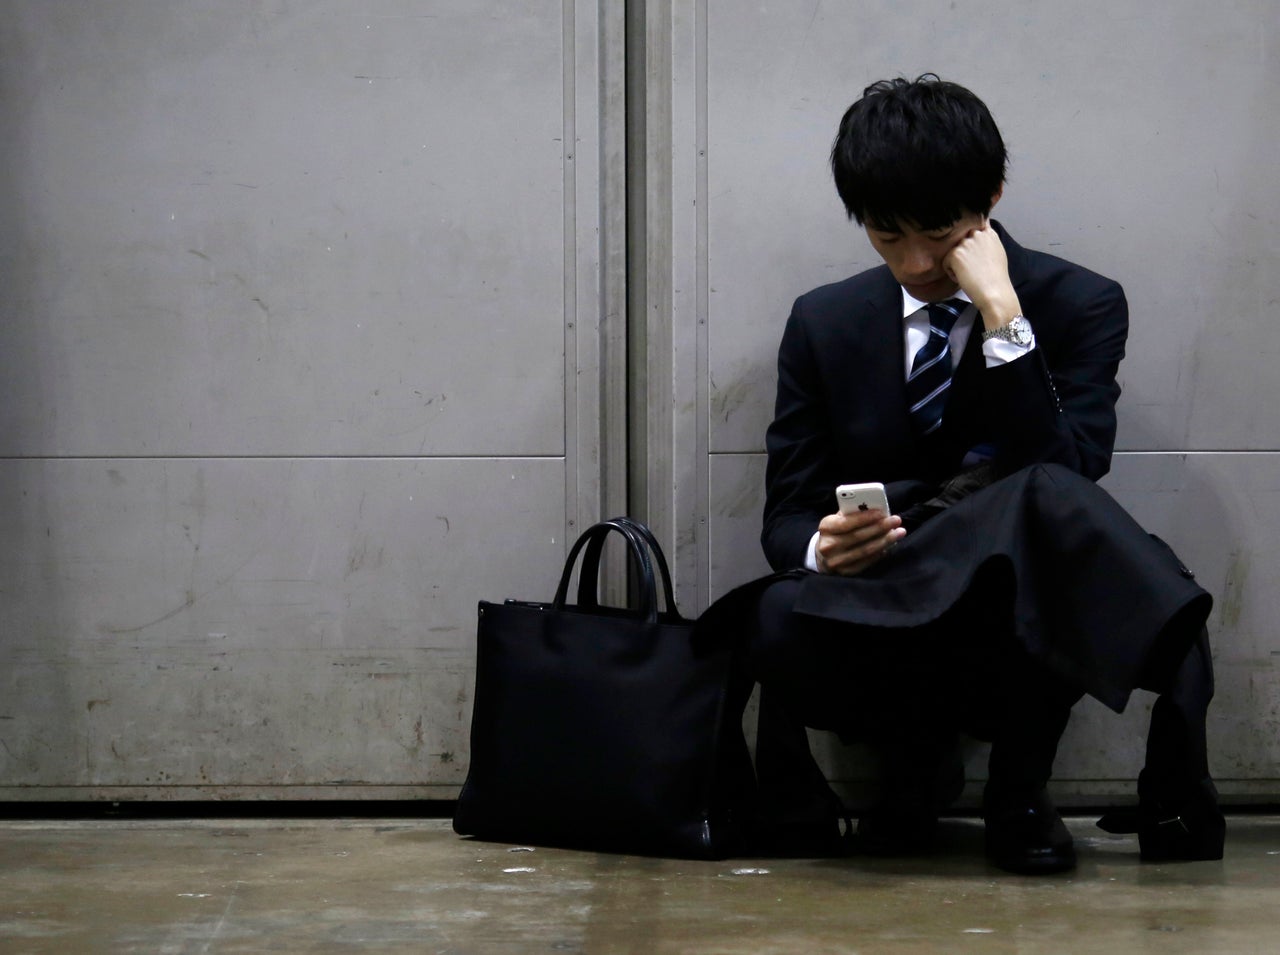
(1029, 266)
(844, 316)
(1041, 268)
(1048, 281)
(867, 290)
(1080, 303)
(1073, 309)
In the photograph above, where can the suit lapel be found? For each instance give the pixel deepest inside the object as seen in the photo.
(1016, 255)
(885, 377)
(879, 382)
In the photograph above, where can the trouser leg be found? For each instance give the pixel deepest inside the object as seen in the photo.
(1177, 749)
(878, 686)
(1029, 710)
(804, 682)
(1001, 693)
(793, 789)
(1022, 756)
(1179, 818)
(1024, 742)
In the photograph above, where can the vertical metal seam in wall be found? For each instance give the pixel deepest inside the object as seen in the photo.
(702, 481)
(570, 254)
(659, 465)
(610, 39)
(637, 449)
(595, 280)
(650, 216)
(613, 254)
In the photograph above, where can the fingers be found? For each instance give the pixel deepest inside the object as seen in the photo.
(848, 544)
(841, 524)
(985, 245)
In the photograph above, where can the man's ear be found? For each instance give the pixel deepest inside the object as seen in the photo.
(996, 198)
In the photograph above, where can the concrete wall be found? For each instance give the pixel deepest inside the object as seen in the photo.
(1141, 138)
(311, 336)
(303, 319)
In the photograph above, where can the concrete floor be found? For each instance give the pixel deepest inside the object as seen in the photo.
(397, 885)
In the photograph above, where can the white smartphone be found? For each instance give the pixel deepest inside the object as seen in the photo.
(862, 497)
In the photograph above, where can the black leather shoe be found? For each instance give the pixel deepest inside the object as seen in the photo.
(1166, 835)
(1170, 835)
(1186, 827)
(1026, 835)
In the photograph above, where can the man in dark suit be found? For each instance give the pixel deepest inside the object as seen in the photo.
(976, 380)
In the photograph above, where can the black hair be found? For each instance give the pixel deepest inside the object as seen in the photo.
(921, 152)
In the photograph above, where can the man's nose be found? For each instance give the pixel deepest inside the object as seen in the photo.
(919, 261)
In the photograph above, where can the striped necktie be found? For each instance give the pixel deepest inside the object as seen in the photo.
(930, 375)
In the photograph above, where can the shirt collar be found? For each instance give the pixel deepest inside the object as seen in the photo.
(911, 305)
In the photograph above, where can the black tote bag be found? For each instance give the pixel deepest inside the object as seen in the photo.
(603, 728)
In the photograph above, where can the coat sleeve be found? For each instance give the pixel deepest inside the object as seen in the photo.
(798, 443)
(1057, 404)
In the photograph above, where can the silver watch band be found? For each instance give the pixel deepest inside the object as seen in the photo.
(1016, 330)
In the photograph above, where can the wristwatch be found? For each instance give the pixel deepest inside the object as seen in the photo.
(1016, 330)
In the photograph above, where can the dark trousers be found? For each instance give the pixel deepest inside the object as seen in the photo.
(908, 691)
(1177, 768)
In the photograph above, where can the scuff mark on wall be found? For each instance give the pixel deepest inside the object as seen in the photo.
(725, 401)
(1233, 588)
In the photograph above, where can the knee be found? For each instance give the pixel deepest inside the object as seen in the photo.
(1054, 474)
(775, 613)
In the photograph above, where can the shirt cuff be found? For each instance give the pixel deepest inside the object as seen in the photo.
(1000, 352)
(811, 555)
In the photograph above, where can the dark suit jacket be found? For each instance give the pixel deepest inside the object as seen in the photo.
(841, 411)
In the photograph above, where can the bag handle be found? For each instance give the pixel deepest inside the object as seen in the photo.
(648, 610)
(588, 580)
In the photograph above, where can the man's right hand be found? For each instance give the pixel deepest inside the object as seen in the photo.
(850, 543)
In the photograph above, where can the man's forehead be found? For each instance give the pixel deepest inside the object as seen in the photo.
(904, 224)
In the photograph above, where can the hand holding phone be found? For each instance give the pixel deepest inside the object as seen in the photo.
(848, 543)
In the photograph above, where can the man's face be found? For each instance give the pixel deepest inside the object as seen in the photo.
(917, 258)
